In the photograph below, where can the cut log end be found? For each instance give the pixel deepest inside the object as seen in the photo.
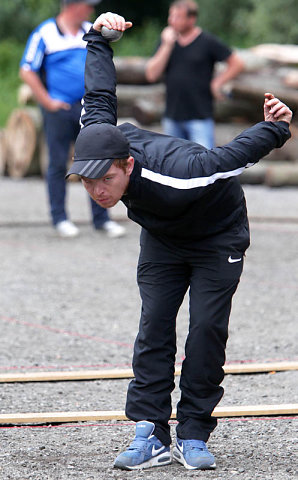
(22, 130)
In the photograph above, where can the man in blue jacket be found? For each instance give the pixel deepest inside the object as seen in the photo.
(194, 235)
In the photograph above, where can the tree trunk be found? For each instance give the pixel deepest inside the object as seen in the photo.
(252, 87)
(282, 54)
(271, 173)
(282, 175)
(254, 175)
(288, 153)
(22, 141)
(129, 95)
(148, 111)
(3, 152)
(131, 70)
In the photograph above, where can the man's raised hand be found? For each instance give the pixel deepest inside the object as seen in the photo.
(275, 110)
(111, 21)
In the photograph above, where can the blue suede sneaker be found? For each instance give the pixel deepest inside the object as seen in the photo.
(145, 451)
(193, 454)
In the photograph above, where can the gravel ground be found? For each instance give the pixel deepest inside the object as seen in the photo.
(73, 304)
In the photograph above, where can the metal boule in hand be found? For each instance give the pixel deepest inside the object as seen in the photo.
(111, 34)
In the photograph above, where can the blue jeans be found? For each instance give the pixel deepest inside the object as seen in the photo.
(199, 131)
(61, 129)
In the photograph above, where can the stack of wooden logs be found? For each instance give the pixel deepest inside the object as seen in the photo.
(22, 144)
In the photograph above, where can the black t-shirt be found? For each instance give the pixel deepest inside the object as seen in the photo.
(188, 76)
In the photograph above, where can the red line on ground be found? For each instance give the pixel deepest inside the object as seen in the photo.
(243, 362)
(268, 360)
(98, 339)
(63, 367)
(255, 419)
(64, 332)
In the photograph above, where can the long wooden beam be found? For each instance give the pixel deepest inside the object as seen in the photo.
(236, 368)
(67, 417)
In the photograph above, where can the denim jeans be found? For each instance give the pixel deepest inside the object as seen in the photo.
(61, 129)
(199, 131)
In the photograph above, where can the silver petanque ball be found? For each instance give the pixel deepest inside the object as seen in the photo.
(110, 34)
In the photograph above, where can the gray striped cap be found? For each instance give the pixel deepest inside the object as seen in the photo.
(96, 147)
(88, 2)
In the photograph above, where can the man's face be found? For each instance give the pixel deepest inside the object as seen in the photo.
(179, 20)
(109, 189)
(81, 11)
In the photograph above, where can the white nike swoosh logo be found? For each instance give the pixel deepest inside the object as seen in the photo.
(156, 451)
(180, 447)
(234, 260)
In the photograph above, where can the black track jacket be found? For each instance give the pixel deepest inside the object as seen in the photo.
(177, 189)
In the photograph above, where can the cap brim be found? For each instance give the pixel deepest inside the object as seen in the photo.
(88, 2)
(93, 2)
(90, 168)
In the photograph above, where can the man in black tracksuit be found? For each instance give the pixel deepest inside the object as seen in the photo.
(195, 232)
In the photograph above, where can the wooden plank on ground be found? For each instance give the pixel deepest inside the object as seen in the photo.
(64, 376)
(69, 417)
(236, 368)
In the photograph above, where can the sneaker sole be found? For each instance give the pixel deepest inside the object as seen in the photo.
(115, 235)
(72, 234)
(63, 235)
(158, 461)
(177, 455)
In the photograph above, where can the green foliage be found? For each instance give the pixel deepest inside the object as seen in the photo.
(237, 22)
(140, 40)
(219, 18)
(19, 17)
(139, 12)
(273, 21)
(10, 55)
(249, 22)
(240, 23)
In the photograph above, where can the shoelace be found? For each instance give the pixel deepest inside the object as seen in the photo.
(195, 445)
(138, 444)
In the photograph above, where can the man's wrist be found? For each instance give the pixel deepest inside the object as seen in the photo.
(48, 103)
(167, 47)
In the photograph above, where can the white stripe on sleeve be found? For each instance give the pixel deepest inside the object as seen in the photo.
(188, 183)
(32, 49)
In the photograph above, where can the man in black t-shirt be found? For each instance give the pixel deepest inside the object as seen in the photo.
(187, 56)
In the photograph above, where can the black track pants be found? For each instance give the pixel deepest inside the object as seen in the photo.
(164, 274)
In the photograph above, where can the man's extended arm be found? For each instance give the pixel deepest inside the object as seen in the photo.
(248, 147)
(100, 101)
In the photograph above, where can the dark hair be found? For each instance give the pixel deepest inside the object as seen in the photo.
(192, 8)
